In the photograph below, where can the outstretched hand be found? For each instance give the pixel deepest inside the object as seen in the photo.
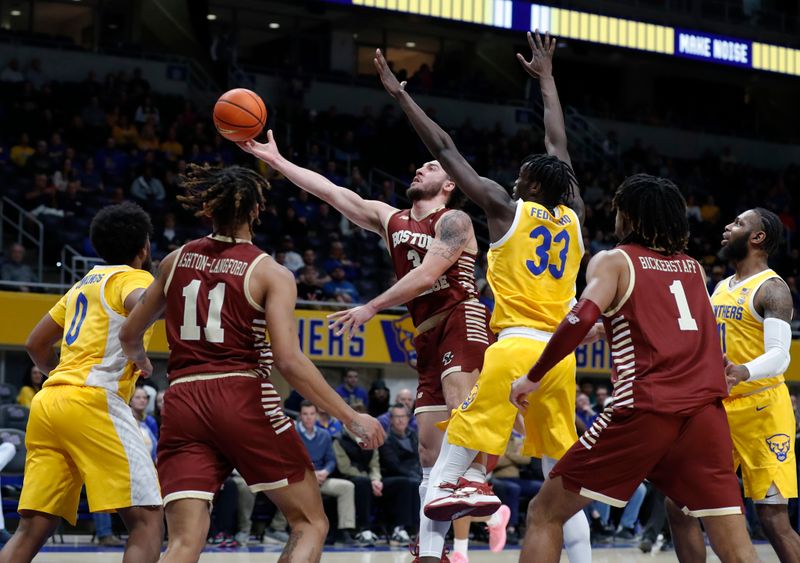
(541, 63)
(389, 80)
(268, 152)
(349, 320)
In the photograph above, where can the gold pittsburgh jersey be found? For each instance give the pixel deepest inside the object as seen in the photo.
(741, 328)
(533, 267)
(92, 313)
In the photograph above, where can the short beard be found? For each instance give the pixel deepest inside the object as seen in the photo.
(419, 192)
(735, 251)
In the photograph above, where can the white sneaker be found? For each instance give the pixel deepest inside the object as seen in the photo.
(242, 538)
(367, 538)
(400, 537)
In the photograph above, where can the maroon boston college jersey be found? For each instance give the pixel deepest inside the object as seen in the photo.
(663, 337)
(213, 325)
(409, 241)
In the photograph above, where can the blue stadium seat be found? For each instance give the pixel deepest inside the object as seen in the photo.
(14, 416)
(8, 393)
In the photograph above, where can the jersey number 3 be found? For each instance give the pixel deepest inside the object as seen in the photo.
(538, 267)
(213, 330)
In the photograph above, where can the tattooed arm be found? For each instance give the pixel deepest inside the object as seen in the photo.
(454, 234)
(773, 302)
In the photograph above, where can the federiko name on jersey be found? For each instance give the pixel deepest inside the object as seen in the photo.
(213, 265)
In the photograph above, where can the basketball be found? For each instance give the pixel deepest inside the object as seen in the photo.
(239, 115)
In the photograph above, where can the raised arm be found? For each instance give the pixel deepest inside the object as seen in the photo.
(774, 303)
(453, 235)
(295, 367)
(366, 213)
(487, 194)
(555, 132)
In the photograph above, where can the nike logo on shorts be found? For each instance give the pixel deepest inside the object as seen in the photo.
(761, 408)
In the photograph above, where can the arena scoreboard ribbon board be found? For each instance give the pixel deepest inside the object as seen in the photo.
(520, 15)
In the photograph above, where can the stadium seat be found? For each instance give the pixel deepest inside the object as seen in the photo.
(17, 464)
(14, 416)
(8, 393)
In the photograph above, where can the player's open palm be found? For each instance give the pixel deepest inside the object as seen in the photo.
(541, 63)
(389, 80)
(348, 321)
(369, 431)
(268, 152)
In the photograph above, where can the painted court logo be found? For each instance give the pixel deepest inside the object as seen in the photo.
(779, 444)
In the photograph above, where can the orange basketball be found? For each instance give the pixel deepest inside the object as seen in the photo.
(239, 115)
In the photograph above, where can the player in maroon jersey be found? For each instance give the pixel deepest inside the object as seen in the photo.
(433, 251)
(667, 423)
(228, 308)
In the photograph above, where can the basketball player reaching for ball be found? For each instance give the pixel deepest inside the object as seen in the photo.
(667, 423)
(753, 310)
(81, 429)
(433, 251)
(228, 307)
(535, 255)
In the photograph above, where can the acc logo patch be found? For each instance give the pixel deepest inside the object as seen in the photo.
(779, 444)
(470, 398)
(447, 358)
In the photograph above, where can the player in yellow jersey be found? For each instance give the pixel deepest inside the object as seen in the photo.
(753, 309)
(536, 251)
(81, 429)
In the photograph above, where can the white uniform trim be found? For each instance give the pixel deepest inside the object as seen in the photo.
(172, 270)
(107, 373)
(145, 490)
(202, 495)
(258, 487)
(584, 492)
(631, 283)
(525, 332)
(247, 275)
(517, 214)
(431, 408)
(727, 511)
(448, 371)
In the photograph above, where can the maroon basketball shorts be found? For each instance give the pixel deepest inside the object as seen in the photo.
(688, 458)
(212, 425)
(455, 345)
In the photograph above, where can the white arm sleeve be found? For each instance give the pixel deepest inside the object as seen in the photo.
(775, 359)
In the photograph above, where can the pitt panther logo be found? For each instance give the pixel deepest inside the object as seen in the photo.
(779, 444)
(470, 398)
(447, 358)
(399, 335)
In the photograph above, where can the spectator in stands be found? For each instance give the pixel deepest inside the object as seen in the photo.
(517, 489)
(12, 73)
(349, 389)
(103, 530)
(93, 115)
(710, 212)
(320, 448)
(159, 410)
(630, 515)
(31, 385)
(404, 397)
(57, 150)
(587, 387)
(21, 151)
(332, 174)
(309, 286)
(305, 207)
(339, 289)
(717, 274)
(166, 239)
(399, 458)
(125, 133)
(329, 424)
(147, 424)
(584, 412)
(292, 259)
(147, 112)
(35, 75)
(362, 468)
(600, 397)
(378, 398)
(147, 190)
(148, 140)
(171, 147)
(14, 269)
(39, 162)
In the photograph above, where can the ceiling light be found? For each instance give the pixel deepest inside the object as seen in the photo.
(410, 44)
(211, 17)
(355, 36)
(274, 25)
(16, 13)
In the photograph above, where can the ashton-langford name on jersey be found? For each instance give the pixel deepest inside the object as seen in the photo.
(213, 265)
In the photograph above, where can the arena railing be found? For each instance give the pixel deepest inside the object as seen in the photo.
(19, 219)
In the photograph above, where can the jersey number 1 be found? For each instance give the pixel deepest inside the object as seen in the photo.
(213, 329)
(685, 320)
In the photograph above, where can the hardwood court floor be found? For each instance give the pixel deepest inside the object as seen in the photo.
(269, 554)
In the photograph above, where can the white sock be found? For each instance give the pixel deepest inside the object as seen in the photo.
(431, 533)
(576, 530)
(452, 463)
(461, 546)
(476, 473)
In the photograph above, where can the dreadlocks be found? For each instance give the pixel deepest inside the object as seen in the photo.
(227, 195)
(555, 177)
(773, 229)
(656, 211)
